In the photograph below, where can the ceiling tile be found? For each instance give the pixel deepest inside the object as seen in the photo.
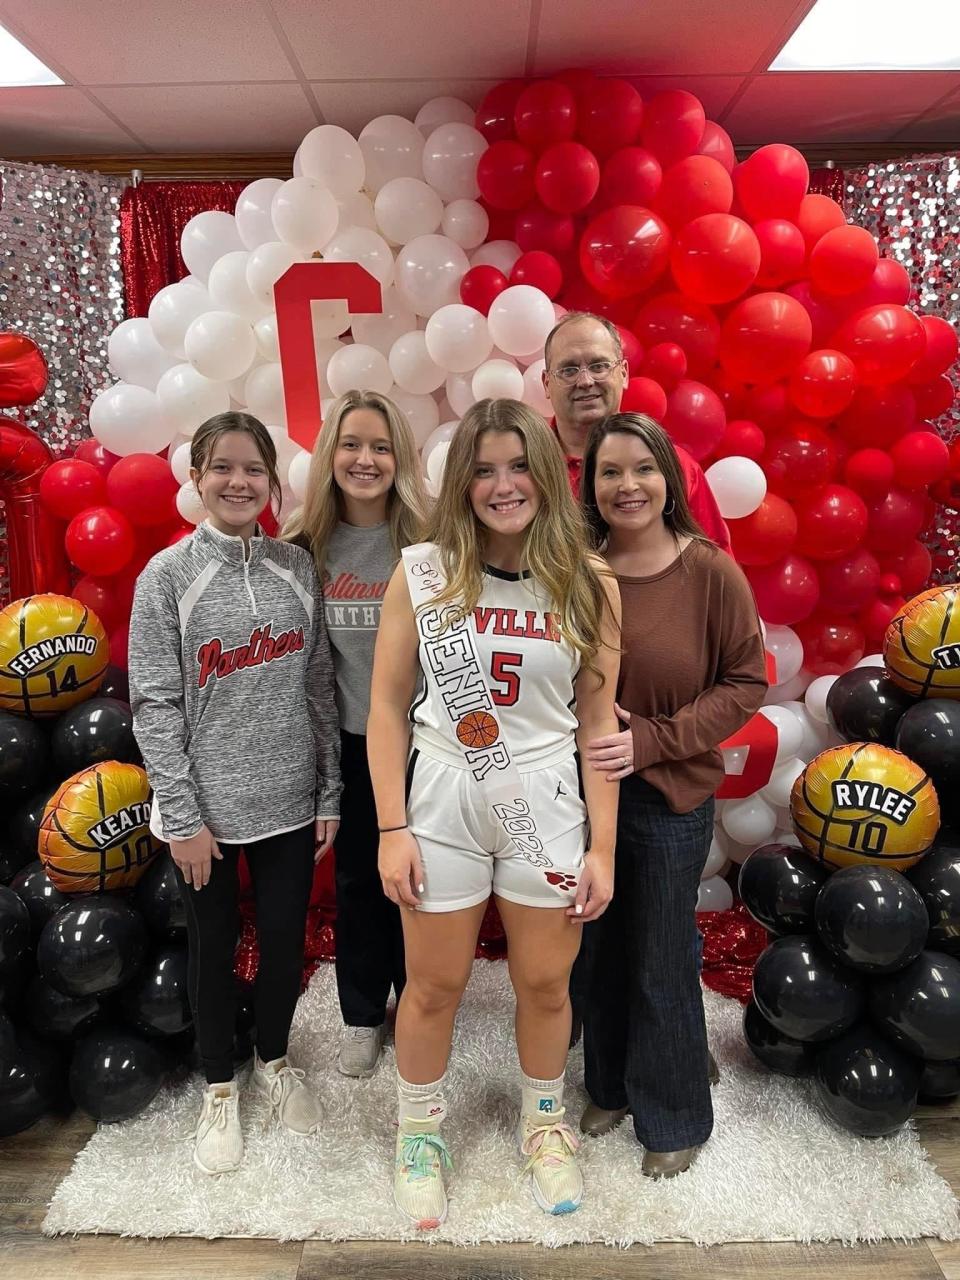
(57, 120)
(163, 42)
(713, 91)
(940, 126)
(356, 102)
(210, 118)
(343, 40)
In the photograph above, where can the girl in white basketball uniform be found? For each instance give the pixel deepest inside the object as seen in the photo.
(514, 630)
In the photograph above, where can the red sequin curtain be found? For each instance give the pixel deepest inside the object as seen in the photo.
(152, 217)
(827, 182)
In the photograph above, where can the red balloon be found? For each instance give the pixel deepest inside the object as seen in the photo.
(643, 395)
(502, 221)
(143, 487)
(119, 645)
(831, 645)
(610, 114)
(480, 285)
(23, 370)
(798, 458)
(540, 228)
(843, 260)
(940, 352)
(695, 417)
(180, 534)
(782, 252)
(673, 125)
(672, 317)
(850, 582)
(816, 216)
(495, 114)
(824, 316)
(884, 343)
(693, 187)
(715, 258)
(764, 336)
(919, 459)
(109, 598)
(912, 567)
(624, 250)
(895, 521)
(876, 618)
(869, 472)
(100, 541)
(631, 175)
(632, 350)
(889, 283)
(877, 416)
(934, 398)
(823, 384)
(786, 591)
(716, 143)
(546, 112)
(539, 269)
(70, 486)
(665, 363)
(741, 439)
(92, 451)
(505, 175)
(766, 535)
(767, 406)
(567, 177)
(831, 522)
(772, 182)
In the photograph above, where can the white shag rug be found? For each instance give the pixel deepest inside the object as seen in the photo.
(774, 1169)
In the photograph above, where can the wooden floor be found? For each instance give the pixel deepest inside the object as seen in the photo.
(32, 1164)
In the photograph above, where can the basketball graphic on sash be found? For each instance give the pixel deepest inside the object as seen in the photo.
(478, 729)
(53, 654)
(921, 648)
(864, 803)
(94, 834)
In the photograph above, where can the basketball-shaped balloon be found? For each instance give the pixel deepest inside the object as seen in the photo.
(53, 653)
(95, 834)
(864, 803)
(478, 729)
(921, 648)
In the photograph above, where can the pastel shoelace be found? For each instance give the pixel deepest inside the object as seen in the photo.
(421, 1153)
(551, 1144)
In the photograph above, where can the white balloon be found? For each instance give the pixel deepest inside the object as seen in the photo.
(466, 223)
(266, 264)
(304, 214)
(358, 368)
(129, 419)
(533, 392)
(188, 399)
(229, 290)
(716, 860)
(265, 332)
(238, 386)
(458, 338)
(497, 380)
(329, 317)
(786, 835)
(441, 436)
(412, 367)
(816, 735)
(263, 392)
(287, 450)
(382, 329)
(220, 345)
(356, 211)
(135, 355)
(172, 310)
(749, 821)
(190, 504)
(440, 111)
(357, 244)
(406, 208)
(450, 157)
(787, 649)
(298, 474)
(789, 690)
(501, 254)
(459, 389)
(789, 730)
(332, 156)
(436, 463)
(871, 660)
(324, 351)
(429, 271)
(422, 412)
(520, 318)
(207, 237)
(738, 484)
(815, 698)
(778, 789)
(714, 894)
(254, 223)
(179, 461)
(392, 147)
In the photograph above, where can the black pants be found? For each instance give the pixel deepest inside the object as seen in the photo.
(281, 869)
(645, 1039)
(369, 933)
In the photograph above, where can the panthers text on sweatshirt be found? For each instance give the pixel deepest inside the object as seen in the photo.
(231, 686)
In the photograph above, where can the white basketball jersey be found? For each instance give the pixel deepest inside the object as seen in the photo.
(530, 673)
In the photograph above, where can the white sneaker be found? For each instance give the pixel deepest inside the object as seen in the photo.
(291, 1101)
(418, 1189)
(359, 1050)
(218, 1145)
(551, 1151)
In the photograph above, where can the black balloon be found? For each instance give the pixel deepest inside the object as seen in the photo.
(115, 1073)
(864, 705)
(871, 918)
(96, 730)
(919, 1007)
(12, 858)
(804, 992)
(776, 1051)
(31, 1085)
(55, 1016)
(779, 885)
(940, 1080)
(93, 945)
(937, 879)
(14, 979)
(929, 734)
(24, 756)
(23, 832)
(115, 684)
(38, 894)
(8, 1041)
(865, 1083)
(14, 930)
(159, 900)
(156, 1002)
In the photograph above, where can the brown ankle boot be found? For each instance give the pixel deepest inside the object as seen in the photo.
(596, 1121)
(667, 1164)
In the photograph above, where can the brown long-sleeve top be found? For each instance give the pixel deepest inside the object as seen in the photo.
(692, 671)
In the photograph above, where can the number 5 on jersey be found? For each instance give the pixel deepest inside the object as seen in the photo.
(505, 678)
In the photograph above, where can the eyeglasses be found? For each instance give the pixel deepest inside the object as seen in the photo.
(599, 370)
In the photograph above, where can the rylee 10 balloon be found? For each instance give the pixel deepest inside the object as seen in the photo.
(775, 1050)
(114, 1073)
(865, 1083)
(779, 886)
(93, 945)
(804, 992)
(871, 918)
(865, 706)
(937, 877)
(919, 1007)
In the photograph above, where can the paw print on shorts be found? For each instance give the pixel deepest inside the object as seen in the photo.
(561, 880)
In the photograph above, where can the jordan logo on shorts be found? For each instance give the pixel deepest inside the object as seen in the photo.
(560, 791)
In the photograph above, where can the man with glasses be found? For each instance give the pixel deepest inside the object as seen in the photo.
(584, 378)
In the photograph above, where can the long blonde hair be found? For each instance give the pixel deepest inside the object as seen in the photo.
(555, 548)
(322, 510)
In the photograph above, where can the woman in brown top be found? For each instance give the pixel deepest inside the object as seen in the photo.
(691, 674)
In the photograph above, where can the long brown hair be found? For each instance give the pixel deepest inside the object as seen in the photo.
(204, 443)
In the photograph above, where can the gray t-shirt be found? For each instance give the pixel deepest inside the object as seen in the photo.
(360, 562)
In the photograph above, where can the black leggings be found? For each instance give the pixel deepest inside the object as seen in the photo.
(281, 869)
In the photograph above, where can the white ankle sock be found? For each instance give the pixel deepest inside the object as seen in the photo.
(540, 1098)
(420, 1101)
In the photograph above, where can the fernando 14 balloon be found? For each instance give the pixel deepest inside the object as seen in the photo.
(53, 653)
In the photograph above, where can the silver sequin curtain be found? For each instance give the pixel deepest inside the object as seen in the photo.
(61, 284)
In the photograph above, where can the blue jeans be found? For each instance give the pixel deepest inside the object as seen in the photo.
(645, 1038)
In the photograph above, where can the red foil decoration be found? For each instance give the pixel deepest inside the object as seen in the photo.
(36, 555)
(23, 371)
(732, 943)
